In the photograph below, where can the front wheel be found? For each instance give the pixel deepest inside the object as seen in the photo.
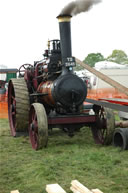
(38, 126)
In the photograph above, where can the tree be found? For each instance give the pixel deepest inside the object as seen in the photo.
(118, 56)
(92, 58)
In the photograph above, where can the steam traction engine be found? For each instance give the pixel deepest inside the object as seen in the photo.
(50, 95)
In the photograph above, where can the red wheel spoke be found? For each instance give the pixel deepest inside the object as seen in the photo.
(11, 109)
(33, 129)
(35, 118)
(35, 137)
(36, 128)
(32, 117)
(14, 104)
(13, 98)
(13, 113)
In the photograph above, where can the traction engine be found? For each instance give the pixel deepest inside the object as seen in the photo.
(49, 95)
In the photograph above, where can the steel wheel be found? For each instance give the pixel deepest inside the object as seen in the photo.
(18, 105)
(12, 110)
(38, 126)
(104, 127)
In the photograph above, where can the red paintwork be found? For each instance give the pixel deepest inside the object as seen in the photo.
(72, 120)
(116, 101)
(12, 110)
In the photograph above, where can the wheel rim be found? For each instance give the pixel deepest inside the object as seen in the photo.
(12, 109)
(33, 129)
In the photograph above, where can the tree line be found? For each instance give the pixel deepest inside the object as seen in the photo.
(117, 56)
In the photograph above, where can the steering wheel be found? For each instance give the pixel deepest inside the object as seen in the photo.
(23, 68)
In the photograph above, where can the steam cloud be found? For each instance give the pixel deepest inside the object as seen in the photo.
(78, 6)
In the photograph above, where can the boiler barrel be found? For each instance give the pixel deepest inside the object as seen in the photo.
(45, 88)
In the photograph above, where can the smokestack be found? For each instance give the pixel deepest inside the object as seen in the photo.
(73, 8)
(65, 37)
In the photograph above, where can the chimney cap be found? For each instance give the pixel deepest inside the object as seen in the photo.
(64, 18)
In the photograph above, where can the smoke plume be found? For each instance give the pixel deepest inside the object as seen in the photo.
(78, 6)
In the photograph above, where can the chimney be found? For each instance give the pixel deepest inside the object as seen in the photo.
(65, 41)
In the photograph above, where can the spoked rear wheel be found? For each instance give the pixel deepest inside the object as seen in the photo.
(18, 106)
(38, 126)
(104, 127)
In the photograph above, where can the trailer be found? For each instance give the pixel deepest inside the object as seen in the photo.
(120, 136)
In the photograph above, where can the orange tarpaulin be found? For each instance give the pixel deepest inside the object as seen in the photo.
(3, 107)
(3, 110)
(99, 93)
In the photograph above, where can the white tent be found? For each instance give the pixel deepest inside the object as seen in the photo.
(109, 65)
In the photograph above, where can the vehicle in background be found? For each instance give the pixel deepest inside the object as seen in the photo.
(5, 75)
(98, 88)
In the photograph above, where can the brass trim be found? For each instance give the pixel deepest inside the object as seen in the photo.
(64, 19)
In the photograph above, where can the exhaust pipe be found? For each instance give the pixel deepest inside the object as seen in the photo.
(65, 41)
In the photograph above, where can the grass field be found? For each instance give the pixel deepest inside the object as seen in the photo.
(64, 159)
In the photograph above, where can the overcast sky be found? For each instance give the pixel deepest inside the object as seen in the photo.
(26, 25)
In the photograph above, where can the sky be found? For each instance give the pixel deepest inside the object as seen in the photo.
(26, 26)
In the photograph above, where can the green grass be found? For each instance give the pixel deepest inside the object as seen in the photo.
(64, 160)
(117, 118)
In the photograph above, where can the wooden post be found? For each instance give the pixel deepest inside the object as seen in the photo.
(96, 191)
(78, 187)
(54, 188)
(74, 190)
